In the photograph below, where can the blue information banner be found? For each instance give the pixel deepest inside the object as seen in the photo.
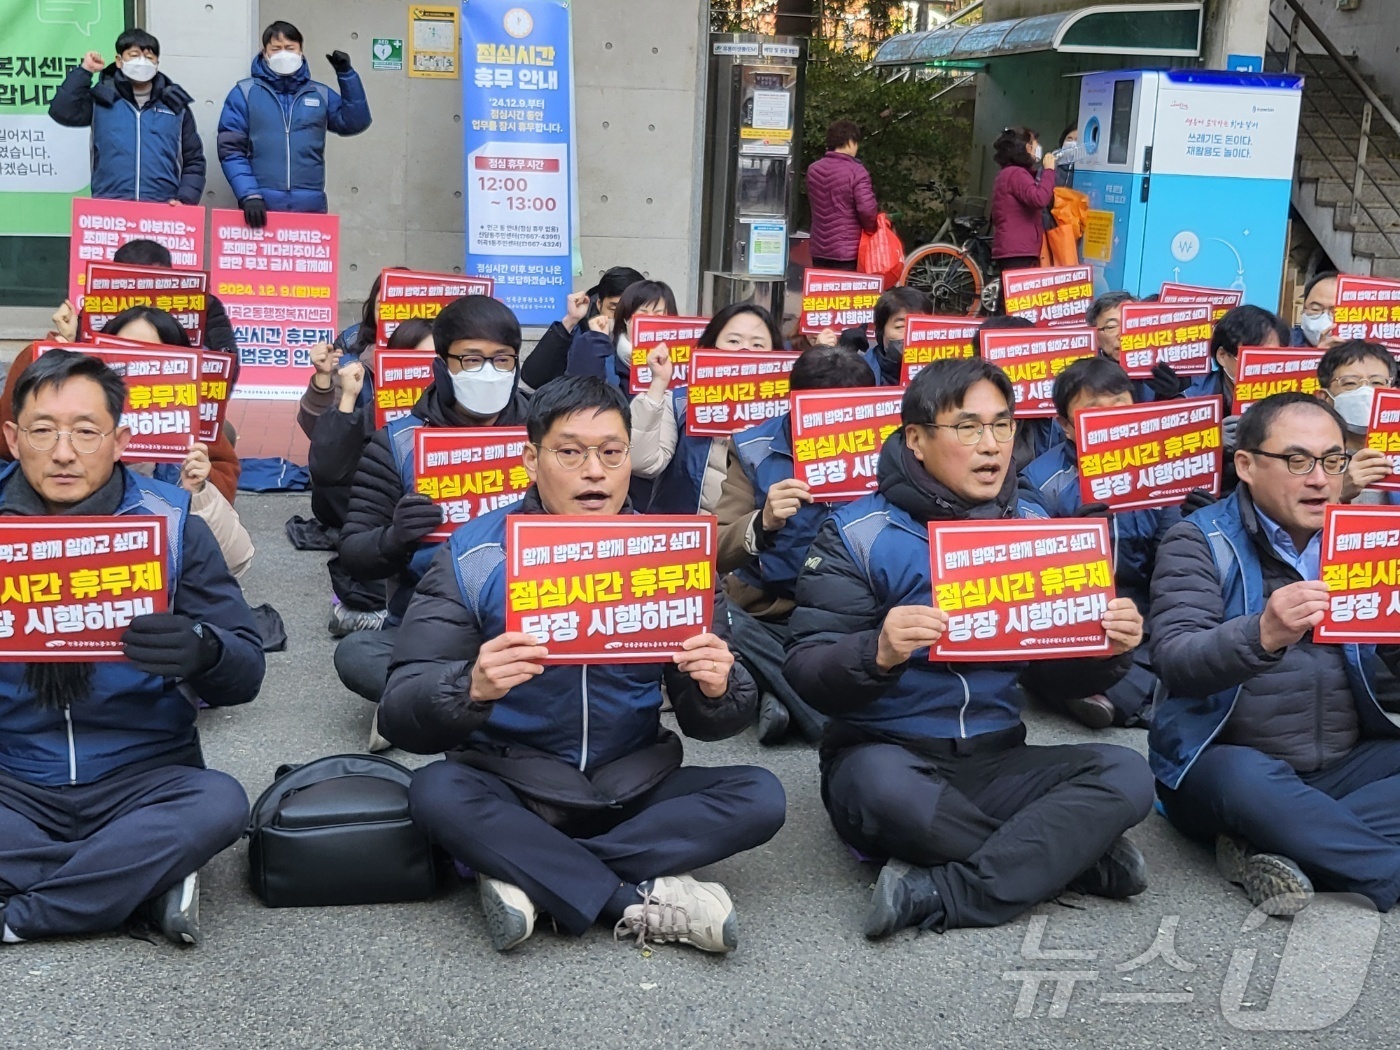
(518, 127)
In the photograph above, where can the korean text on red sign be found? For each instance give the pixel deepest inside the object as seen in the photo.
(928, 338)
(1221, 300)
(680, 334)
(1021, 590)
(1383, 435)
(70, 586)
(114, 287)
(625, 589)
(468, 471)
(838, 299)
(1267, 370)
(162, 397)
(100, 227)
(401, 376)
(1178, 336)
(837, 436)
(1361, 567)
(1032, 359)
(1150, 455)
(1368, 308)
(1053, 295)
(408, 294)
(215, 386)
(732, 390)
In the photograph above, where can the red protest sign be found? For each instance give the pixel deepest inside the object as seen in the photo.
(1151, 455)
(1266, 370)
(162, 396)
(408, 294)
(70, 586)
(837, 436)
(468, 471)
(215, 386)
(928, 338)
(1053, 295)
(680, 334)
(114, 287)
(280, 284)
(732, 390)
(1361, 567)
(1221, 300)
(1368, 308)
(1032, 358)
(100, 227)
(838, 299)
(400, 377)
(1021, 590)
(1383, 435)
(626, 589)
(1178, 335)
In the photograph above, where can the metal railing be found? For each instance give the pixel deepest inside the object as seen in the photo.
(1366, 154)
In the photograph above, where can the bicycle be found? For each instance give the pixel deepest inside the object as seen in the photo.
(957, 269)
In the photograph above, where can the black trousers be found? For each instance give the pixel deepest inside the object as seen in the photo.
(362, 661)
(696, 816)
(1002, 829)
(81, 858)
(833, 264)
(761, 645)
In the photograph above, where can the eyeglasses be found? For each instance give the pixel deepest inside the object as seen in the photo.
(572, 457)
(1315, 309)
(969, 432)
(1353, 382)
(1301, 463)
(1108, 326)
(475, 362)
(85, 440)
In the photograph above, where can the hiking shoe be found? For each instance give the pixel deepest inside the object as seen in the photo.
(510, 915)
(904, 896)
(347, 621)
(1273, 884)
(773, 719)
(1118, 874)
(681, 908)
(176, 911)
(1096, 712)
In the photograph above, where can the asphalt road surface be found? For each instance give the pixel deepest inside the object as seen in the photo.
(1181, 966)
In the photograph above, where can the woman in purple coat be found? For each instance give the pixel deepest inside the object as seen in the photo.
(842, 200)
(1024, 188)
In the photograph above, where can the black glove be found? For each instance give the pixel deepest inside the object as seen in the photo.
(255, 212)
(414, 517)
(339, 61)
(1093, 510)
(1165, 384)
(1195, 500)
(171, 645)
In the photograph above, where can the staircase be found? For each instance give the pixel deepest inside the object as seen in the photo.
(1347, 184)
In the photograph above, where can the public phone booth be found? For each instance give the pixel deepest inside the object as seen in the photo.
(1188, 174)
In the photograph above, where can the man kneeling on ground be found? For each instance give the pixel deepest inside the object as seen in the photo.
(582, 817)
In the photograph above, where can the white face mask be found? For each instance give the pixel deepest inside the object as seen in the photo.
(1355, 407)
(284, 63)
(140, 70)
(1037, 152)
(483, 393)
(1314, 328)
(624, 351)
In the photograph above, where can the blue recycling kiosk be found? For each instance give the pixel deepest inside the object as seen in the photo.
(1188, 173)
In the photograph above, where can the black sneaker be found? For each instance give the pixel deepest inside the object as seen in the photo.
(176, 911)
(1273, 884)
(773, 719)
(904, 896)
(1118, 874)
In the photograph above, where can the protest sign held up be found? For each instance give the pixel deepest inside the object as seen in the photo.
(837, 436)
(1032, 358)
(838, 299)
(114, 287)
(1361, 567)
(401, 376)
(1152, 455)
(100, 227)
(1368, 308)
(731, 390)
(406, 294)
(1267, 370)
(928, 338)
(680, 334)
(1221, 300)
(1053, 295)
(468, 471)
(1177, 335)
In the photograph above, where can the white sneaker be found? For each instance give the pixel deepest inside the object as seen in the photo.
(510, 915)
(377, 743)
(345, 621)
(681, 908)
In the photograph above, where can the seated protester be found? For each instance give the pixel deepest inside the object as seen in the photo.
(106, 808)
(767, 519)
(1348, 377)
(1051, 482)
(144, 324)
(360, 336)
(1318, 325)
(1033, 436)
(603, 348)
(550, 357)
(584, 821)
(1273, 745)
(475, 379)
(690, 471)
(925, 762)
(892, 310)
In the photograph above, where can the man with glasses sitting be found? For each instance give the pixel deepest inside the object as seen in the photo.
(925, 763)
(1272, 745)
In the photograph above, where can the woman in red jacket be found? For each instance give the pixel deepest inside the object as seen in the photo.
(1024, 188)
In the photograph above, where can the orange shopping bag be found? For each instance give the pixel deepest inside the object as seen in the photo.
(882, 252)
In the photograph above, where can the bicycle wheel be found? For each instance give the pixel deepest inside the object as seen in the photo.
(948, 275)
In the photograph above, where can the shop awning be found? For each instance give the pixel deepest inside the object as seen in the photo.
(1172, 29)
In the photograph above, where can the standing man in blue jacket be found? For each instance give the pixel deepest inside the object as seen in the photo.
(272, 133)
(145, 146)
(106, 807)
